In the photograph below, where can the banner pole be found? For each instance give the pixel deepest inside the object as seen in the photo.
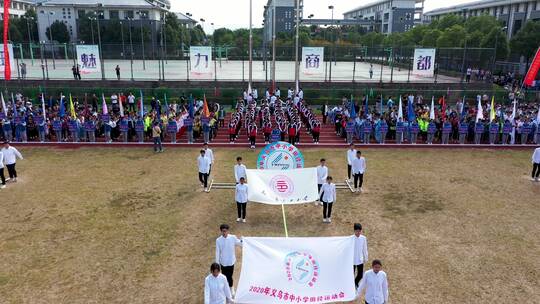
(284, 220)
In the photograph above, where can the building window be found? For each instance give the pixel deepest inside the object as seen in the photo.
(113, 15)
(128, 14)
(408, 16)
(143, 15)
(81, 13)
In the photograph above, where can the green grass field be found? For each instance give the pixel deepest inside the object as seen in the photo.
(129, 226)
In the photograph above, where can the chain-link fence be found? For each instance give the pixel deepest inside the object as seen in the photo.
(150, 61)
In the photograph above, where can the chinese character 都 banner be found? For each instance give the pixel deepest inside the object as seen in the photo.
(312, 61)
(88, 59)
(3, 58)
(276, 187)
(424, 62)
(201, 58)
(296, 270)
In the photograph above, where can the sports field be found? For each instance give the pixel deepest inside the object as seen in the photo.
(129, 226)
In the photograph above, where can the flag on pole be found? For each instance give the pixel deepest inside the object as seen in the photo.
(492, 110)
(285, 270)
(462, 112)
(513, 112)
(6, 55)
(71, 108)
(191, 109)
(353, 108)
(479, 112)
(44, 113)
(443, 107)
(141, 104)
(411, 116)
(538, 118)
(166, 105)
(366, 107)
(206, 111)
(104, 106)
(4, 105)
(400, 109)
(121, 106)
(531, 74)
(62, 108)
(432, 109)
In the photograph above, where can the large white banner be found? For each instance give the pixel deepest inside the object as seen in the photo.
(313, 61)
(88, 58)
(424, 62)
(201, 57)
(277, 187)
(296, 270)
(3, 60)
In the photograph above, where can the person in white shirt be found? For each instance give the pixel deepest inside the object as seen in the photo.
(360, 253)
(358, 169)
(241, 197)
(2, 177)
(375, 283)
(351, 154)
(239, 170)
(536, 165)
(328, 197)
(210, 155)
(131, 102)
(226, 253)
(10, 155)
(322, 174)
(290, 93)
(203, 163)
(301, 94)
(278, 93)
(216, 289)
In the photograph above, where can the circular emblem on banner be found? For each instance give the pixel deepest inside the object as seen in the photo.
(302, 268)
(280, 156)
(282, 185)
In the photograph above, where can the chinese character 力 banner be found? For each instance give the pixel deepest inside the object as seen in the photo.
(424, 62)
(200, 61)
(277, 187)
(88, 59)
(292, 270)
(313, 61)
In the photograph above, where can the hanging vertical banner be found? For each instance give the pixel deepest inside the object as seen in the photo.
(200, 57)
(296, 270)
(424, 62)
(312, 61)
(88, 59)
(533, 70)
(6, 47)
(5, 63)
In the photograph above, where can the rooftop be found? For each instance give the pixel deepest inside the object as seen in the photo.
(373, 4)
(164, 4)
(472, 5)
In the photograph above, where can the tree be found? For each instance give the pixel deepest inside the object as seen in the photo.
(496, 35)
(452, 37)
(59, 32)
(430, 38)
(525, 42)
(447, 22)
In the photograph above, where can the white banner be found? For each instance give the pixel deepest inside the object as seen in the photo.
(277, 187)
(11, 60)
(88, 59)
(296, 270)
(313, 61)
(200, 60)
(424, 62)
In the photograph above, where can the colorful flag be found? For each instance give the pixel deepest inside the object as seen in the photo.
(513, 112)
(7, 62)
(4, 105)
(479, 110)
(166, 105)
(205, 112)
(191, 109)
(411, 116)
(44, 113)
(308, 269)
(529, 78)
(432, 109)
(71, 108)
(492, 110)
(462, 113)
(141, 103)
(121, 106)
(62, 109)
(442, 101)
(353, 108)
(104, 106)
(366, 107)
(400, 109)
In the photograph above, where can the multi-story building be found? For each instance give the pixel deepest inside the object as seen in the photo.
(147, 13)
(389, 16)
(285, 17)
(17, 8)
(512, 13)
(186, 20)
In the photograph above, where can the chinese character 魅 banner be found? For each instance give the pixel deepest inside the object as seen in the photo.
(3, 58)
(200, 61)
(424, 62)
(296, 270)
(313, 61)
(88, 58)
(277, 187)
